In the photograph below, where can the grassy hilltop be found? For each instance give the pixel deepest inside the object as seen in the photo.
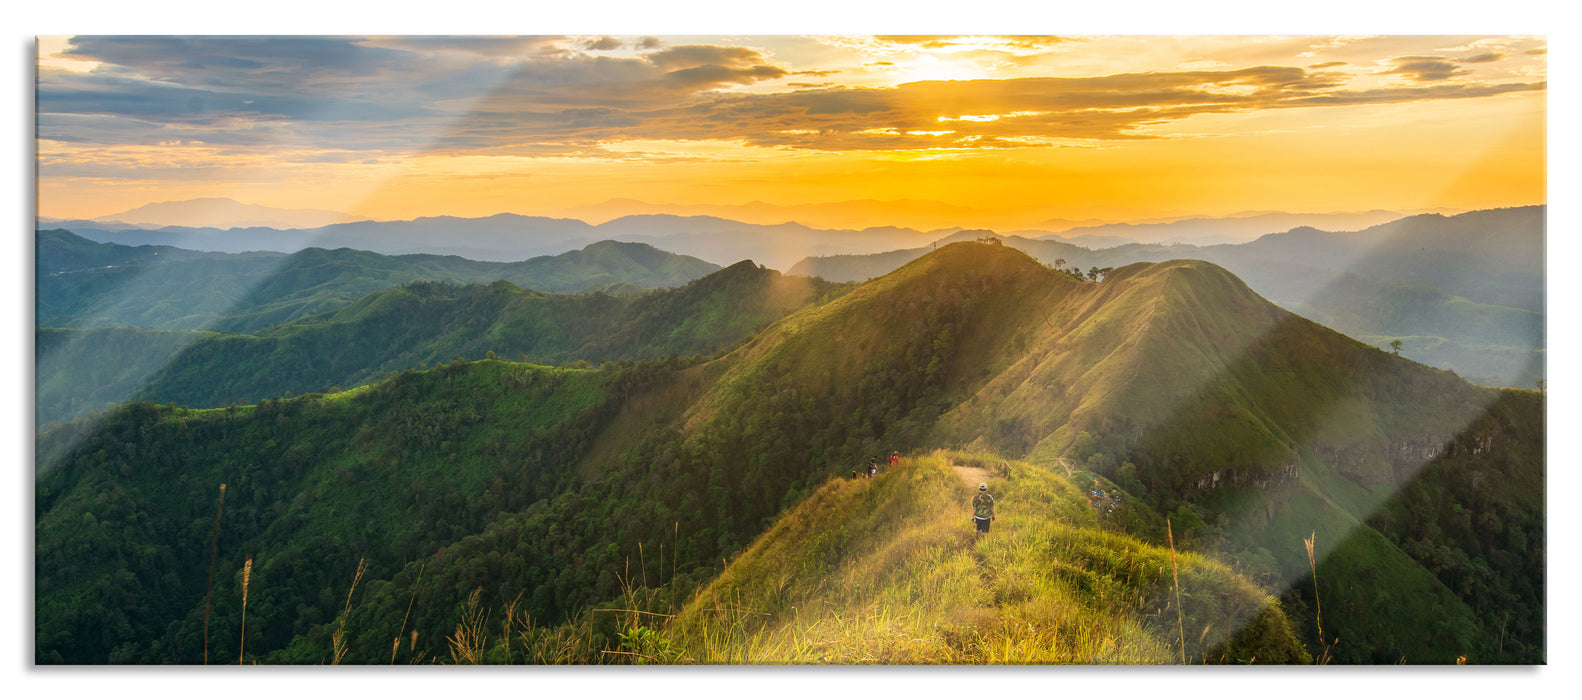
(887, 571)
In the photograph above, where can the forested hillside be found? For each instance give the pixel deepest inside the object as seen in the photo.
(1231, 428)
(415, 325)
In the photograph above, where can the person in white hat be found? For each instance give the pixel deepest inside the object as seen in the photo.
(982, 509)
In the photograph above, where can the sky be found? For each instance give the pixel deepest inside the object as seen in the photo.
(995, 131)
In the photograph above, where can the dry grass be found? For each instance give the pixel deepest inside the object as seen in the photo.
(888, 572)
(338, 639)
(247, 575)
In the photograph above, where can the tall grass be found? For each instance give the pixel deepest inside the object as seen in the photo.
(1324, 650)
(395, 645)
(887, 572)
(1175, 576)
(247, 575)
(468, 643)
(338, 639)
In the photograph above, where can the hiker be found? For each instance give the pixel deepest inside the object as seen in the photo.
(982, 510)
(873, 465)
(894, 457)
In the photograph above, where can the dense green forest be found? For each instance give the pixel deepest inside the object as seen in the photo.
(415, 325)
(549, 492)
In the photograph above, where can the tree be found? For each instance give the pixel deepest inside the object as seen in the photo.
(1395, 345)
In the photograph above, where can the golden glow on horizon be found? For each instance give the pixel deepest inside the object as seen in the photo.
(969, 150)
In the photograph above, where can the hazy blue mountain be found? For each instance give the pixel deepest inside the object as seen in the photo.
(220, 212)
(1227, 229)
(81, 284)
(503, 237)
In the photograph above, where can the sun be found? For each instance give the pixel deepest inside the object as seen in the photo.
(930, 67)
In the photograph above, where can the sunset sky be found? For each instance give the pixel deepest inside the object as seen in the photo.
(998, 131)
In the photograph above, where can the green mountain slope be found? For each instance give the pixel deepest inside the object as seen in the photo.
(1463, 292)
(386, 475)
(418, 324)
(1243, 427)
(1173, 378)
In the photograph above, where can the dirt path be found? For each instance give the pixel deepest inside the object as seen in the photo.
(972, 476)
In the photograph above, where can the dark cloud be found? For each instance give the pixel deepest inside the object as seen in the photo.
(603, 43)
(695, 55)
(1425, 68)
(715, 76)
(491, 46)
(1415, 94)
(257, 61)
(1486, 57)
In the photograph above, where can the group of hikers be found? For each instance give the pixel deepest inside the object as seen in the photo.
(1103, 503)
(873, 466)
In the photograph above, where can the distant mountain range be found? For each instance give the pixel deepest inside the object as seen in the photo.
(1238, 228)
(779, 243)
(1464, 292)
(218, 212)
(82, 284)
(510, 237)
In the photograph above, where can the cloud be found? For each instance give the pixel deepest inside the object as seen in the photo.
(1001, 42)
(1007, 113)
(694, 55)
(603, 43)
(549, 96)
(1486, 57)
(1425, 68)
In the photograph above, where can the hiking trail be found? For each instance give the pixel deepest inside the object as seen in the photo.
(972, 476)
